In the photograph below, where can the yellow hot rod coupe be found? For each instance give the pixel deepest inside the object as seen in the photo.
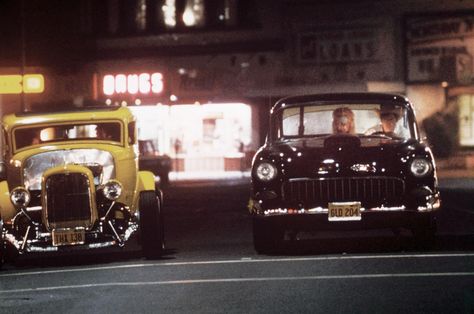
(70, 181)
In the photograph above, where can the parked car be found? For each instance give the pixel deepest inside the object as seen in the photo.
(334, 161)
(152, 160)
(70, 181)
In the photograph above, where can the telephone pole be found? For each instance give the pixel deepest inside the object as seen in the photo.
(23, 52)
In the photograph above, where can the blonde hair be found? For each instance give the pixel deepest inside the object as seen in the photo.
(340, 113)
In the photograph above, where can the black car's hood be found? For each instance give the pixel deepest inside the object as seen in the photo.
(342, 155)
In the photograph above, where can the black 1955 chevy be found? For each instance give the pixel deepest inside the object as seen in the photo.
(343, 162)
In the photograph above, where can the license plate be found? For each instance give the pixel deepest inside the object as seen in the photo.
(68, 237)
(344, 211)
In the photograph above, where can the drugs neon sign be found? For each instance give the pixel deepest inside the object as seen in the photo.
(143, 83)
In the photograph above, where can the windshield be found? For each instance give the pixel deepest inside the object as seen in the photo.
(357, 119)
(109, 131)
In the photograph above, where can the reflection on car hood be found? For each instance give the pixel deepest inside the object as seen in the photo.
(37, 164)
(350, 155)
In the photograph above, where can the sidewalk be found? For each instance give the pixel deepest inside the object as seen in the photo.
(455, 173)
(458, 170)
(209, 178)
(450, 169)
(448, 178)
(456, 179)
(207, 175)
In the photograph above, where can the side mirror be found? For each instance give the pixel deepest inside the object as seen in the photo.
(3, 171)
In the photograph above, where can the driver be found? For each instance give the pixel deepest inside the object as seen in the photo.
(388, 122)
(105, 131)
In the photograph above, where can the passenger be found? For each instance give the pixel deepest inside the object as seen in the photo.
(343, 121)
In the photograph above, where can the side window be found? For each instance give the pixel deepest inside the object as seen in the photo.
(291, 121)
(132, 133)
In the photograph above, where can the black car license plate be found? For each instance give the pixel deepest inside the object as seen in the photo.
(344, 211)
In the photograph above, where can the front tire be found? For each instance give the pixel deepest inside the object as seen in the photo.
(151, 225)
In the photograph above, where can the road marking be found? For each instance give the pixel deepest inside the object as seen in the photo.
(237, 280)
(238, 261)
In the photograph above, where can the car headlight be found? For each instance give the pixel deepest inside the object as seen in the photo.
(266, 171)
(112, 190)
(420, 167)
(20, 197)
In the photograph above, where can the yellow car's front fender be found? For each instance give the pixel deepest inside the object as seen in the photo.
(146, 182)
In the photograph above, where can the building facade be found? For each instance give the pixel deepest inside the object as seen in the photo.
(216, 56)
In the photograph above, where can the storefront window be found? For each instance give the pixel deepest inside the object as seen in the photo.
(210, 136)
(140, 15)
(466, 120)
(156, 16)
(168, 13)
(193, 15)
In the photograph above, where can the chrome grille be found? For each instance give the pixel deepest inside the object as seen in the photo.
(323, 190)
(67, 199)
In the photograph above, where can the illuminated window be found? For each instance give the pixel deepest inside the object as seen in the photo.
(156, 16)
(193, 15)
(169, 13)
(140, 15)
(466, 120)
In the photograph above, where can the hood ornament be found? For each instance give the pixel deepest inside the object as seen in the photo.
(363, 168)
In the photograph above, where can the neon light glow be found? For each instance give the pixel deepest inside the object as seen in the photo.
(17, 84)
(143, 83)
(132, 83)
(33, 83)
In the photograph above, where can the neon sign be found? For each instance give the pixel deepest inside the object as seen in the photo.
(143, 83)
(17, 84)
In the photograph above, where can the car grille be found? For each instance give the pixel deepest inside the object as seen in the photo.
(368, 190)
(68, 201)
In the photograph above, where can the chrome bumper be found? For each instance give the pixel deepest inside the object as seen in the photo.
(43, 242)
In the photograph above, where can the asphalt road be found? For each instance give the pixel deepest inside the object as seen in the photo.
(210, 267)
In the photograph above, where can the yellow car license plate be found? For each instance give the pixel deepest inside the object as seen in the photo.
(344, 211)
(68, 237)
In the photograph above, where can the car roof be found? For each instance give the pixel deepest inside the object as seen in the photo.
(68, 115)
(329, 98)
